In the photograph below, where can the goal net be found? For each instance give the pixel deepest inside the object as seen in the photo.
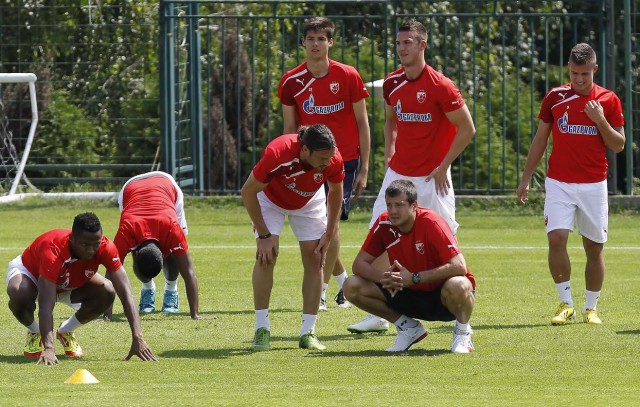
(12, 161)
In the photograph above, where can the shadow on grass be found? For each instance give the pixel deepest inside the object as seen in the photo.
(16, 359)
(382, 353)
(631, 332)
(233, 352)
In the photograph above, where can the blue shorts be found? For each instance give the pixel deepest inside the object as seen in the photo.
(350, 172)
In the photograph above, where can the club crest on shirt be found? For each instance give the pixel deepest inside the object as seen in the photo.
(89, 273)
(421, 95)
(334, 87)
(317, 177)
(420, 247)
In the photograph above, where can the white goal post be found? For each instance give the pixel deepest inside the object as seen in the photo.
(31, 79)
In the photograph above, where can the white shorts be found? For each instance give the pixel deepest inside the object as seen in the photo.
(585, 204)
(445, 206)
(308, 223)
(16, 267)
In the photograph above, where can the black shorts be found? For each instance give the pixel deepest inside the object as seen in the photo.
(350, 172)
(425, 305)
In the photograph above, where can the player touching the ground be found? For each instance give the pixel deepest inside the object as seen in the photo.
(321, 90)
(61, 266)
(288, 181)
(428, 278)
(153, 227)
(427, 126)
(584, 120)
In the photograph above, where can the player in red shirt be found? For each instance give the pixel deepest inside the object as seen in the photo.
(428, 278)
(288, 181)
(321, 90)
(153, 227)
(427, 126)
(61, 266)
(584, 119)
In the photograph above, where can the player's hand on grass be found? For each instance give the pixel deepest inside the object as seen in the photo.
(198, 317)
(140, 349)
(47, 358)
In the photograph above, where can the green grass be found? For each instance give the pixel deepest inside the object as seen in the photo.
(519, 360)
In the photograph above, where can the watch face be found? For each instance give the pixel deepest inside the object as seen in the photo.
(416, 278)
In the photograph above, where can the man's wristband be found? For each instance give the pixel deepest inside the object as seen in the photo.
(268, 235)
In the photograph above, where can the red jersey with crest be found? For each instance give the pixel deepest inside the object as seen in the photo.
(291, 183)
(428, 245)
(327, 100)
(424, 132)
(50, 256)
(579, 154)
(152, 209)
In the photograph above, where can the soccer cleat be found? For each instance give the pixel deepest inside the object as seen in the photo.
(462, 342)
(69, 343)
(261, 340)
(370, 323)
(341, 301)
(590, 316)
(407, 337)
(310, 341)
(170, 303)
(323, 304)
(563, 313)
(147, 300)
(33, 348)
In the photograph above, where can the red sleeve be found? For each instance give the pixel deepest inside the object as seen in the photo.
(545, 110)
(121, 244)
(613, 112)
(358, 90)
(284, 92)
(335, 171)
(108, 256)
(449, 96)
(373, 244)
(263, 168)
(51, 264)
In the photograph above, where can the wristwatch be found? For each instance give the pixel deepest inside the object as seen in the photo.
(268, 235)
(416, 278)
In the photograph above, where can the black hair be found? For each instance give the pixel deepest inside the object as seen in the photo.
(147, 261)
(416, 26)
(86, 222)
(316, 137)
(400, 186)
(318, 24)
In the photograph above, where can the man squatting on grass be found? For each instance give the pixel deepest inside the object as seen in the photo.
(428, 278)
(61, 266)
(288, 181)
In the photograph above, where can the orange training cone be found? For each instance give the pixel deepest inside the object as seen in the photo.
(81, 376)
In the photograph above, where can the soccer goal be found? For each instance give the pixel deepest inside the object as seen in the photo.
(9, 156)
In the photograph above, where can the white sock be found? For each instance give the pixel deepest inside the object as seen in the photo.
(340, 279)
(405, 322)
(170, 285)
(324, 290)
(308, 324)
(592, 300)
(564, 291)
(463, 327)
(149, 286)
(70, 324)
(34, 328)
(262, 319)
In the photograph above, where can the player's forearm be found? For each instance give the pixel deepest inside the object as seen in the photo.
(455, 267)
(612, 138)
(334, 206)
(122, 287)
(252, 206)
(460, 142)
(191, 286)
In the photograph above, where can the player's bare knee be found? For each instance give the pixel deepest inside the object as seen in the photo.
(351, 287)
(457, 289)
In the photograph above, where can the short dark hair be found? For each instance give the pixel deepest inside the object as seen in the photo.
(318, 24)
(416, 26)
(582, 54)
(86, 222)
(147, 262)
(316, 137)
(400, 186)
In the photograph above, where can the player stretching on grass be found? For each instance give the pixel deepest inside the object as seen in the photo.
(585, 119)
(427, 126)
(428, 278)
(288, 181)
(153, 227)
(61, 266)
(321, 90)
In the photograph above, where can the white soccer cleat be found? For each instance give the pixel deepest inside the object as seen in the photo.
(462, 342)
(323, 304)
(370, 323)
(407, 337)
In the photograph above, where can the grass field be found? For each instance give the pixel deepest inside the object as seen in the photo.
(520, 358)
